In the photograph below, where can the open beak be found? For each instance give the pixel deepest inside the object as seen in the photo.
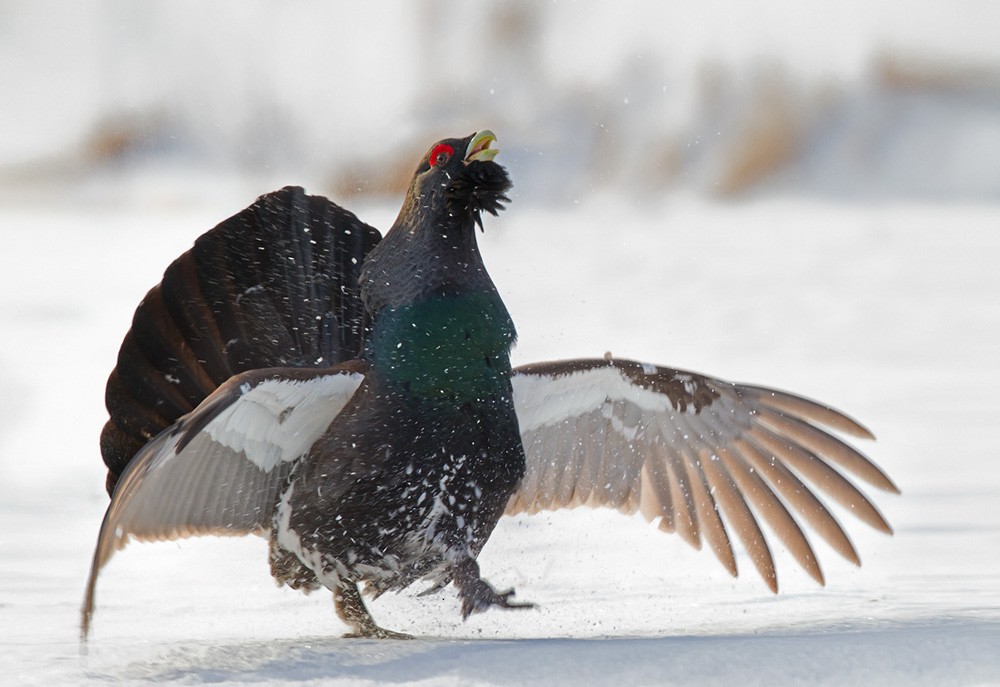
(479, 147)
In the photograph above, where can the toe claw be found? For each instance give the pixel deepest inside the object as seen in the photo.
(376, 632)
(484, 596)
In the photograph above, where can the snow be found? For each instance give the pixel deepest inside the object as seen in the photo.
(862, 272)
(886, 311)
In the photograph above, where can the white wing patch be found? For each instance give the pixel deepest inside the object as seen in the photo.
(279, 419)
(543, 400)
(221, 472)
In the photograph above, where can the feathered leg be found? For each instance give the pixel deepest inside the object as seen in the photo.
(351, 609)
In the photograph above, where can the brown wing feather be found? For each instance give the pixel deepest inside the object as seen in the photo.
(707, 458)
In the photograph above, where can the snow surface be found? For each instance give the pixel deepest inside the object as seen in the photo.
(889, 312)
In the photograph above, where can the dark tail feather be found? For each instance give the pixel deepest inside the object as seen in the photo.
(274, 285)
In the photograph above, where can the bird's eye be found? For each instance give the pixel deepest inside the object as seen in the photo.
(441, 154)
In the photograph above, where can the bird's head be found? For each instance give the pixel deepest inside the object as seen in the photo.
(431, 247)
(457, 180)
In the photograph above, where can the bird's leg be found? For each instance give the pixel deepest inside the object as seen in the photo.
(477, 594)
(351, 609)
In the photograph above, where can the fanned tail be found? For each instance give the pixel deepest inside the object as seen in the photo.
(275, 285)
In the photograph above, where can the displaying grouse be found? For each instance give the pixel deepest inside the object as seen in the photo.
(351, 398)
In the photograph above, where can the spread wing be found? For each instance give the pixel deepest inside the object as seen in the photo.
(219, 469)
(706, 457)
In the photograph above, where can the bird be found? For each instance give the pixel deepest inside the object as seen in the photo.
(350, 398)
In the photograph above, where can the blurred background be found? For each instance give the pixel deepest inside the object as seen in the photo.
(848, 99)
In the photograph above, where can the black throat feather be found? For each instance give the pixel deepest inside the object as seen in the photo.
(482, 186)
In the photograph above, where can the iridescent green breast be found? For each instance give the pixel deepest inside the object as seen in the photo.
(452, 348)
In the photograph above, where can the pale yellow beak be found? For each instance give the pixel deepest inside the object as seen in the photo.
(479, 148)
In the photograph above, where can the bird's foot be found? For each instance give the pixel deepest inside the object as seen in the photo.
(479, 595)
(373, 631)
(351, 609)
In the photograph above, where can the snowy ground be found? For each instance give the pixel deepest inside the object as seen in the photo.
(890, 312)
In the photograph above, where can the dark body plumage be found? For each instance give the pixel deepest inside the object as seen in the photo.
(417, 487)
(421, 463)
(351, 398)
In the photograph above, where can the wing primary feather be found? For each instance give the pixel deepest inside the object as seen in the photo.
(800, 497)
(685, 512)
(569, 476)
(709, 520)
(140, 516)
(772, 510)
(614, 446)
(124, 512)
(554, 468)
(534, 446)
(222, 509)
(806, 409)
(514, 506)
(623, 468)
(171, 503)
(191, 505)
(657, 475)
(822, 475)
(101, 556)
(822, 444)
(235, 492)
(561, 478)
(590, 468)
(741, 519)
(639, 448)
(706, 435)
(649, 501)
(570, 479)
(545, 485)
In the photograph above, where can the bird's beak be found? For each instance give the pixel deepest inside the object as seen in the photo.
(479, 147)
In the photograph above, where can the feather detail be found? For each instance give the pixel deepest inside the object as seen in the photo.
(709, 459)
(218, 470)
